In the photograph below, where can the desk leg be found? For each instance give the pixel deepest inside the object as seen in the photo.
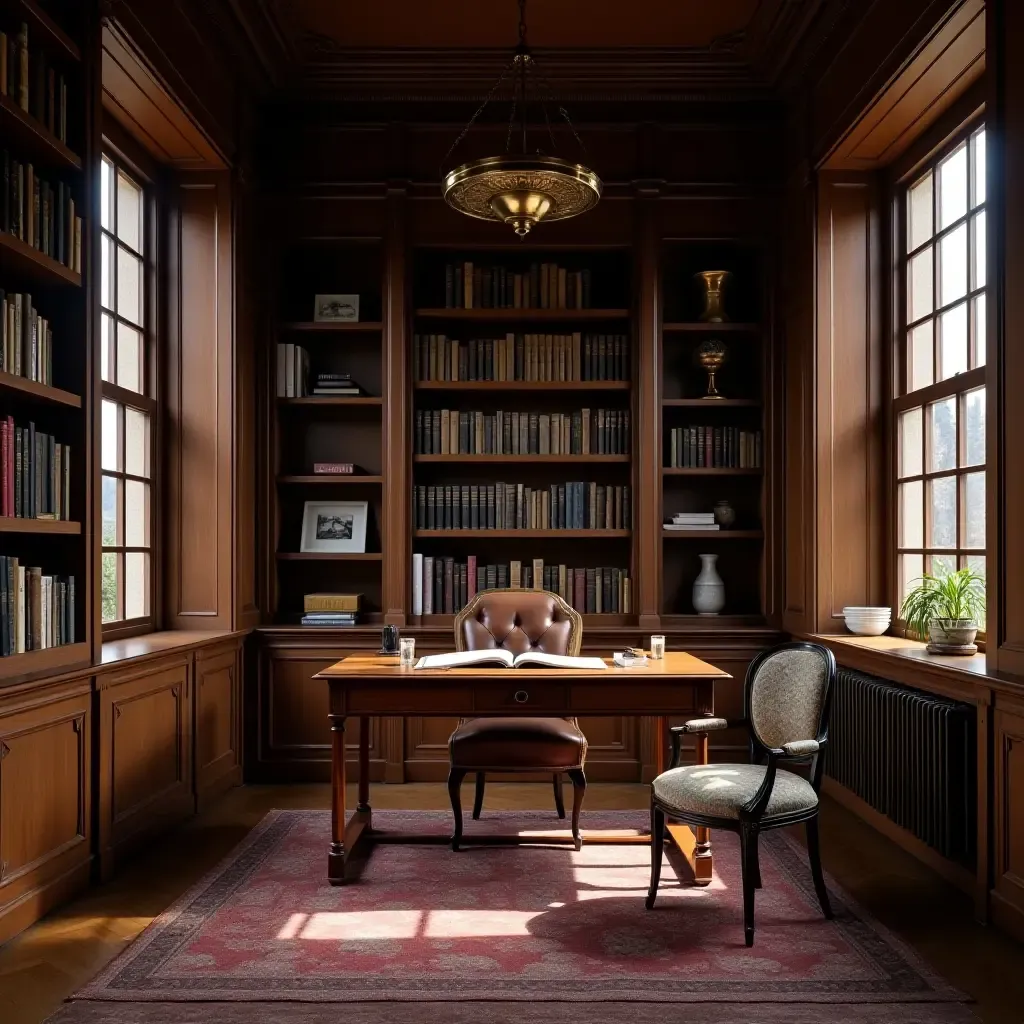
(364, 767)
(336, 857)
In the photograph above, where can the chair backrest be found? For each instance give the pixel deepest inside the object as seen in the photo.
(787, 697)
(519, 621)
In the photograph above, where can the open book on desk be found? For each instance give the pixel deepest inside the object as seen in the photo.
(499, 658)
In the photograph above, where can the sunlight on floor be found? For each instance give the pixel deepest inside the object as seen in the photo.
(407, 924)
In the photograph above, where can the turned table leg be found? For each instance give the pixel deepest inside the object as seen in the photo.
(336, 857)
(363, 805)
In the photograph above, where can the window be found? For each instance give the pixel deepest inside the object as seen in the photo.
(128, 407)
(940, 404)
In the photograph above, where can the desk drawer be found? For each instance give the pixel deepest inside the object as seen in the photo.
(522, 697)
(639, 697)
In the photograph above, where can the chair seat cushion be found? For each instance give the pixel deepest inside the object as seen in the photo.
(720, 790)
(513, 744)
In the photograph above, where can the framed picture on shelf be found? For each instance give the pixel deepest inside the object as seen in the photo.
(334, 526)
(336, 309)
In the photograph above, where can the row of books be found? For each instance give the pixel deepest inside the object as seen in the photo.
(584, 432)
(36, 473)
(36, 611)
(575, 505)
(443, 585)
(469, 285)
(26, 338)
(41, 214)
(714, 447)
(292, 371)
(31, 82)
(532, 357)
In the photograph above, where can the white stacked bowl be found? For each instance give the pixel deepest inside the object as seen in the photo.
(867, 621)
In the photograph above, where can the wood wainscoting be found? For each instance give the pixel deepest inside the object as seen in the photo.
(1008, 757)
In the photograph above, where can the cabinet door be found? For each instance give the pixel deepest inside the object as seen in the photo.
(1008, 751)
(44, 800)
(218, 718)
(145, 754)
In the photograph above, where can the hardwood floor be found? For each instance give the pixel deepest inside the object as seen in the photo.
(46, 963)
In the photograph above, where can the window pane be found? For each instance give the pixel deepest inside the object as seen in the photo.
(912, 514)
(136, 442)
(952, 266)
(920, 286)
(919, 212)
(953, 187)
(136, 585)
(977, 564)
(105, 172)
(942, 435)
(911, 444)
(129, 358)
(129, 286)
(109, 445)
(978, 242)
(111, 602)
(974, 510)
(942, 512)
(106, 346)
(921, 371)
(911, 570)
(136, 514)
(129, 212)
(980, 330)
(111, 505)
(106, 273)
(978, 170)
(974, 428)
(941, 565)
(953, 342)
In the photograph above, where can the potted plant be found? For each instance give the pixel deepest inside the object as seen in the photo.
(947, 609)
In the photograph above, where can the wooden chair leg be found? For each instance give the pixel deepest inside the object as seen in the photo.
(756, 857)
(579, 789)
(814, 856)
(556, 781)
(657, 852)
(455, 777)
(478, 799)
(748, 860)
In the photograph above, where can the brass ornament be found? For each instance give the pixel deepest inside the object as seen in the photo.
(714, 282)
(522, 190)
(711, 354)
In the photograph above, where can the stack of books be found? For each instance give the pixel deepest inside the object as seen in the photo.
(336, 384)
(330, 609)
(692, 521)
(292, 371)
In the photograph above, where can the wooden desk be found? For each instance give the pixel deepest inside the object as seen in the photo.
(363, 687)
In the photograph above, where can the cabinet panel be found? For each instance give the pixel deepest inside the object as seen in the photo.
(145, 754)
(1008, 749)
(44, 800)
(217, 704)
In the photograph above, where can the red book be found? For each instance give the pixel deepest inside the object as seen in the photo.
(470, 577)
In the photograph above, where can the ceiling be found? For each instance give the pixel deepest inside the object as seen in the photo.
(469, 24)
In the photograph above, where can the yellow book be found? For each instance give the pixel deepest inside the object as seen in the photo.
(331, 602)
(538, 574)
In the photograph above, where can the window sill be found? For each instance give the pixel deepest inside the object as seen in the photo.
(149, 645)
(907, 662)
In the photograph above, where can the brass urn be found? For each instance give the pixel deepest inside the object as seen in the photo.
(714, 282)
(711, 355)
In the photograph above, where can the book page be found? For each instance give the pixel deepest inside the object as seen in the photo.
(538, 659)
(496, 658)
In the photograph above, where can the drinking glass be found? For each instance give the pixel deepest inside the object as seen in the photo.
(407, 651)
(657, 648)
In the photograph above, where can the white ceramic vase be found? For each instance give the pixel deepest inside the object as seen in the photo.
(708, 588)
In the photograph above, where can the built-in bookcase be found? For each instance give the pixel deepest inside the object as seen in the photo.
(728, 462)
(527, 357)
(46, 132)
(317, 429)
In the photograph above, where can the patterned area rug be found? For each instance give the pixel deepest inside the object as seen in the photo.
(509, 925)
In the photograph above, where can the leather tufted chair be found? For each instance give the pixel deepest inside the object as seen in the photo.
(518, 621)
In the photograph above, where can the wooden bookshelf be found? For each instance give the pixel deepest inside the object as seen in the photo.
(709, 471)
(13, 384)
(483, 386)
(492, 460)
(33, 140)
(710, 404)
(329, 556)
(22, 258)
(699, 327)
(51, 527)
(712, 534)
(523, 316)
(45, 32)
(525, 534)
(350, 401)
(309, 327)
(328, 478)
(48, 661)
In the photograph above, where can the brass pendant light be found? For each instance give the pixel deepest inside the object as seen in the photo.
(521, 189)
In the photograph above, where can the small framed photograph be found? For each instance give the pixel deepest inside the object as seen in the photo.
(334, 526)
(336, 309)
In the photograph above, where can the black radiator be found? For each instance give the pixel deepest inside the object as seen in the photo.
(911, 756)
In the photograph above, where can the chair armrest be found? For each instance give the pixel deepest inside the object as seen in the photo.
(695, 725)
(800, 748)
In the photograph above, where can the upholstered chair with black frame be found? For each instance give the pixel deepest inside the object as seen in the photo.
(518, 621)
(786, 702)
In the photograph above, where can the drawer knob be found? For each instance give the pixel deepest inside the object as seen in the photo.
(521, 696)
